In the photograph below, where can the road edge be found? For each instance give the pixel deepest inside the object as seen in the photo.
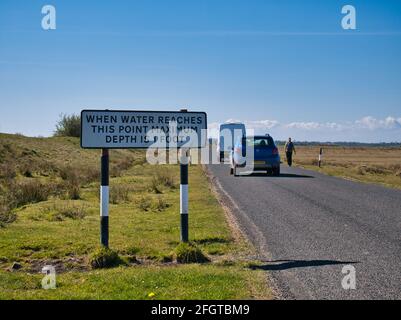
(233, 215)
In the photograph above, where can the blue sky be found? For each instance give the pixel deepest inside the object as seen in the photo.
(286, 67)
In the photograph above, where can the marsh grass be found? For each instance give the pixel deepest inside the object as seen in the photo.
(365, 164)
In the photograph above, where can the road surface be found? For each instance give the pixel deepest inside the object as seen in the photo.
(308, 226)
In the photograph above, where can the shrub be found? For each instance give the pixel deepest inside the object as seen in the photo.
(375, 170)
(144, 203)
(189, 253)
(79, 174)
(7, 171)
(154, 186)
(69, 173)
(361, 170)
(59, 212)
(74, 192)
(91, 174)
(75, 177)
(118, 168)
(119, 193)
(27, 192)
(161, 204)
(6, 215)
(71, 212)
(68, 126)
(162, 178)
(166, 178)
(104, 258)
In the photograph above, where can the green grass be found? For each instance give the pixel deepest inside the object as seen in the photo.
(166, 282)
(144, 230)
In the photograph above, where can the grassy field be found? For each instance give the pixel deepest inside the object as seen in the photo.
(49, 214)
(365, 164)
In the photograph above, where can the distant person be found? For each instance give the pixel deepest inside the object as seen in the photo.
(289, 149)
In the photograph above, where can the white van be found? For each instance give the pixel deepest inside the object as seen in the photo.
(228, 134)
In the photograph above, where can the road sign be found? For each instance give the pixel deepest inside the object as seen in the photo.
(118, 129)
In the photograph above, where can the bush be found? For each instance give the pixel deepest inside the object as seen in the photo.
(189, 253)
(79, 174)
(165, 178)
(68, 126)
(104, 258)
(362, 170)
(71, 212)
(154, 186)
(161, 204)
(118, 168)
(59, 211)
(6, 215)
(24, 193)
(119, 193)
(7, 171)
(73, 191)
(144, 203)
(75, 177)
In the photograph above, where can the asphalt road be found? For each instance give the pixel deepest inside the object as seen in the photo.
(308, 226)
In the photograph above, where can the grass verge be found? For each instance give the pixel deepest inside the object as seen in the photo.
(63, 231)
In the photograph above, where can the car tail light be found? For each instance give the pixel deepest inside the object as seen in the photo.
(275, 151)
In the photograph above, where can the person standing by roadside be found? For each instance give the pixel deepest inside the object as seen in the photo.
(289, 150)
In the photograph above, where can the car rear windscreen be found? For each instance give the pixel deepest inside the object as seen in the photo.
(260, 142)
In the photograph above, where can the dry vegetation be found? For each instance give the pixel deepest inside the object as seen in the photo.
(35, 170)
(366, 164)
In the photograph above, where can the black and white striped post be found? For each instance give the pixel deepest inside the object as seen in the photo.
(184, 162)
(104, 199)
(320, 157)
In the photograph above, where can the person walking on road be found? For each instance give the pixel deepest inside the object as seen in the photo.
(289, 149)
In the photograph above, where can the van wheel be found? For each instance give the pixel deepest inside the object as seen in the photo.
(231, 171)
(235, 171)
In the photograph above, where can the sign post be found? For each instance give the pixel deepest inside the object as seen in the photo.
(118, 129)
(320, 157)
(184, 163)
(104, 199)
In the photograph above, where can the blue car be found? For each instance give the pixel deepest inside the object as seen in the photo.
(257, 153)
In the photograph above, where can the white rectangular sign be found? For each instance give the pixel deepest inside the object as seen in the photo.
(117, 129)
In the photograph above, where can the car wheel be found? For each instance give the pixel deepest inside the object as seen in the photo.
(276, 171)
(231, 171)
